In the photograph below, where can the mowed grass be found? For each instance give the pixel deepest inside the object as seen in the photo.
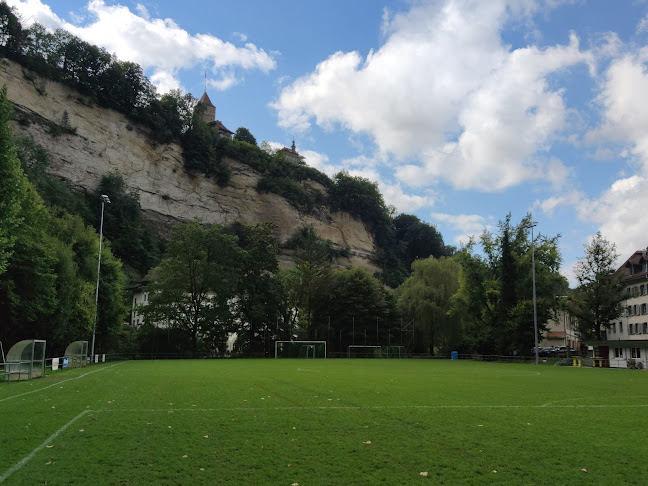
(325, 422)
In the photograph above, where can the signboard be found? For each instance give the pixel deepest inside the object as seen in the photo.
(65, 362)
(103, 358)
(55, 364)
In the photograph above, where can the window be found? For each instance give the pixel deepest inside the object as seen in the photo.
(645, 327)
(636, 353)
(614, 327)
(642, 289)
(621, 327)
(634, 310)
(643, 309)
(618, 352)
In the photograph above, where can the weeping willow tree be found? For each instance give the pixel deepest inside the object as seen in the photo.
(426, 299)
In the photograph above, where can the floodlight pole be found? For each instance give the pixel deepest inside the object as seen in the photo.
(532, 225)
(104, 199)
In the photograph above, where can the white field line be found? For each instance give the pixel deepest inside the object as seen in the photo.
(377, 407)
(47, 441)
(59, 382)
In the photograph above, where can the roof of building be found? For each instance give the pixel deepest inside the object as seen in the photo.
(292, 151)
(634, 267)
(219, 125)
(205, 99)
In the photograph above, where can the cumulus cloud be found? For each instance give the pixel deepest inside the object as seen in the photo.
(619, 215)
(624, 107)
(467, 225)
(480, 120)
(158, 45)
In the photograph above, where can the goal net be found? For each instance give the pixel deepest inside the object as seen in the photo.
(300, 349)
(396, 352)
(358, 351)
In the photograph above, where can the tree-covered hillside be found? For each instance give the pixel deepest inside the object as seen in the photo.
(122, 86)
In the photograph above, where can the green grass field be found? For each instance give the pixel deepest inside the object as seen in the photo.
(325, 422)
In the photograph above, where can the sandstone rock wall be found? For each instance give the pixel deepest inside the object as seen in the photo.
(106, 141)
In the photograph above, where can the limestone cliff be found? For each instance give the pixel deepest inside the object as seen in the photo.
(107, 141)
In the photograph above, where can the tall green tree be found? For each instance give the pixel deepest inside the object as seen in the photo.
(194, 286)
(243, 135)
(496, 295)
(258, 293)
(599, 297)
(426, 297)
(313, 264)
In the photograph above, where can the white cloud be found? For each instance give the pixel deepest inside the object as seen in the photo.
(483, 119)
(467, 225)
(395, 195)
(625, 106)
(240, 36)
(618, 210)
(619, 214)
(569, 199)
(320, 162)
(642, 25)
(159, 45)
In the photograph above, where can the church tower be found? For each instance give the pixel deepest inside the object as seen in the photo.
(209, 113)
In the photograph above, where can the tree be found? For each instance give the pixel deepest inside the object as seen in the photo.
(426, 298)
(257, 300)
(132, 240)
(352, 306)
(418, 239)
(495, 300)
(599, 296)
(313, 263)
(243, 135)
(195, 284)
(13, 184)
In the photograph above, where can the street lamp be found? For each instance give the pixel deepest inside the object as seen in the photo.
(532, 225)
(104, 199)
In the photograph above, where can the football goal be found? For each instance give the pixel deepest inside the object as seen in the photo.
(397, 352)
(358, 351)
(300, 349)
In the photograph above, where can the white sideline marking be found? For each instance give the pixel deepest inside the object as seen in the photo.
(24, 461)
(351, 407)
(59, 382)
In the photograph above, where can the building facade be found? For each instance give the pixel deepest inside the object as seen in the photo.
(627, 336)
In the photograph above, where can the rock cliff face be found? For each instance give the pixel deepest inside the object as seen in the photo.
(106, 141)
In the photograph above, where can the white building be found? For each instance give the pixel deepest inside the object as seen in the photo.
(561, 331)
(627, 336)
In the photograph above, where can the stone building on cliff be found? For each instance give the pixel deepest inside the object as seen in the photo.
(208, 115)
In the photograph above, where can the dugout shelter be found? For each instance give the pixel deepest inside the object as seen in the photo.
(25, 360)
(77, 354)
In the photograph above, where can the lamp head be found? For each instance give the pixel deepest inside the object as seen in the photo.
(105, 199)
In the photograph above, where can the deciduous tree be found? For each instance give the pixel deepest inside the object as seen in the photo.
(599, 296)
(194, 286)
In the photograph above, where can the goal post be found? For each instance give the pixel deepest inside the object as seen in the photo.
(397, 352)
(300, 349)
(359, 351)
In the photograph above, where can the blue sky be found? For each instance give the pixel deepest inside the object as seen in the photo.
(461, 110)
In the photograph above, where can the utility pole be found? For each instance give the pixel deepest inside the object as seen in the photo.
(104, 199)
